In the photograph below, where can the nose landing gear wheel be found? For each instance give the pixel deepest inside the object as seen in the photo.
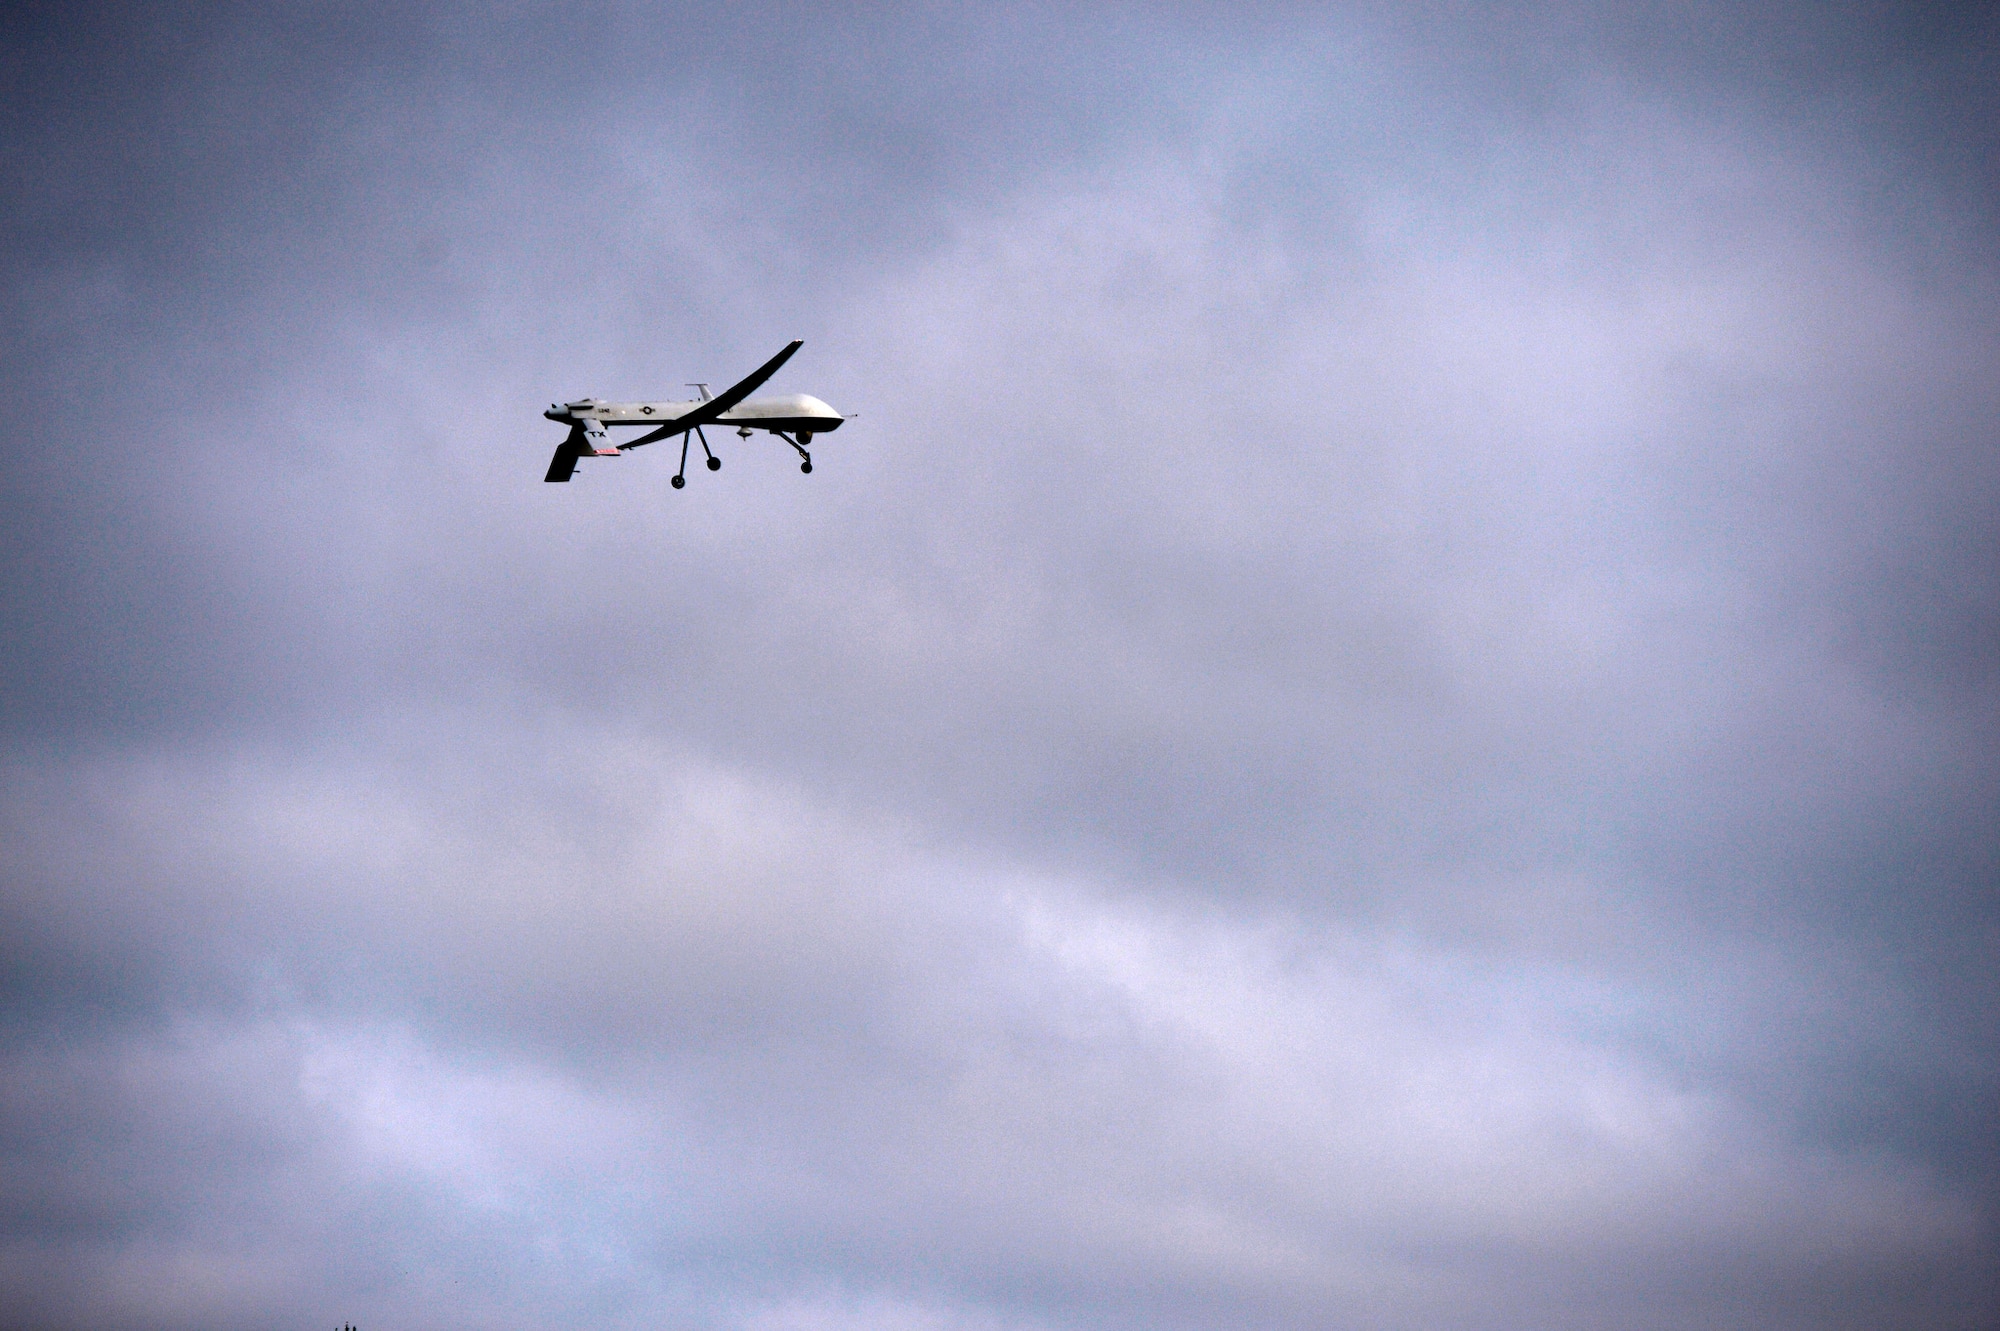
(806, 466)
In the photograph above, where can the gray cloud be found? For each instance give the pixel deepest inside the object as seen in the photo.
(1385, 717)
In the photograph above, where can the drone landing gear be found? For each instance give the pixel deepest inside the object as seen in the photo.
(714, 462)
(805, 458)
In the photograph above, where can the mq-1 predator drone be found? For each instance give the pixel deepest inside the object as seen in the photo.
(794, 419)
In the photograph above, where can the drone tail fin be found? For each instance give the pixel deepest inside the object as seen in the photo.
(563, 465)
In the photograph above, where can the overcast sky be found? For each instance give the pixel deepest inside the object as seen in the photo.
(1389, 716)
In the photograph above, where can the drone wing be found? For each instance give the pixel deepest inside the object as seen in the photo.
(707, 413)
(729, 397)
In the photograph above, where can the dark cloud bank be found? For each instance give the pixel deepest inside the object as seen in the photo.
(1387, 718)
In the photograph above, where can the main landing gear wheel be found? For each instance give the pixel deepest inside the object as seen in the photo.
(679, 481)
(715, 464)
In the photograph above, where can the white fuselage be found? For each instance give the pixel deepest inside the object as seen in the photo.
(796, 412)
